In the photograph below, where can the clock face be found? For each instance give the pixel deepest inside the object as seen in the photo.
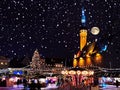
(95, 30)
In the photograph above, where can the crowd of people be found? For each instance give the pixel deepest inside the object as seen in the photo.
(67, 85)
(62, 84)
(32, 85)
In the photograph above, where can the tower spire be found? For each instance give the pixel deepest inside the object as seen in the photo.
(83, 31)
(83, 17)
(83, 41)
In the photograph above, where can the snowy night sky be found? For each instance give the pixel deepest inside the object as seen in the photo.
(52, 26)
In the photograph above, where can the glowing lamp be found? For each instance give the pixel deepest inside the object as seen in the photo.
(78, 72)
(72, 72)
(84, 73)
(91, 73)
(64, 72)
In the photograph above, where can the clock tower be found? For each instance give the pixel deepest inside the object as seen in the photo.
(83, 31)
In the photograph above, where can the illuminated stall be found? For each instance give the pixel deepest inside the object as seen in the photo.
(79, 75)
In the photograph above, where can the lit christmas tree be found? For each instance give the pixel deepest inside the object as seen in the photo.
(37, 64)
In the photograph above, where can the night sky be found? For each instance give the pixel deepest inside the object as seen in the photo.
(52, 26)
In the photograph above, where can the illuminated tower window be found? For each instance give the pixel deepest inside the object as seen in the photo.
(83, 38)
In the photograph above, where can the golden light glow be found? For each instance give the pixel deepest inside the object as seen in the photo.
(84, 73)
(91, 73)
(78, 54)
(88, 61)
(83, 38)
(81, 62)
(98, 58)
(91, 48)
(75, 62)
(78, 72)
(72, 72)
(2, 63)
(64, 72)
(87, 55)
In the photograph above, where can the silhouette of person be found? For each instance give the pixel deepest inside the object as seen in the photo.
(32, 85)
(117, 83)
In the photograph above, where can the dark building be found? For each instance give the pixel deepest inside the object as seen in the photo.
(4, 62)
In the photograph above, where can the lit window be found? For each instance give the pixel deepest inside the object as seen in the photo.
(1, 63)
